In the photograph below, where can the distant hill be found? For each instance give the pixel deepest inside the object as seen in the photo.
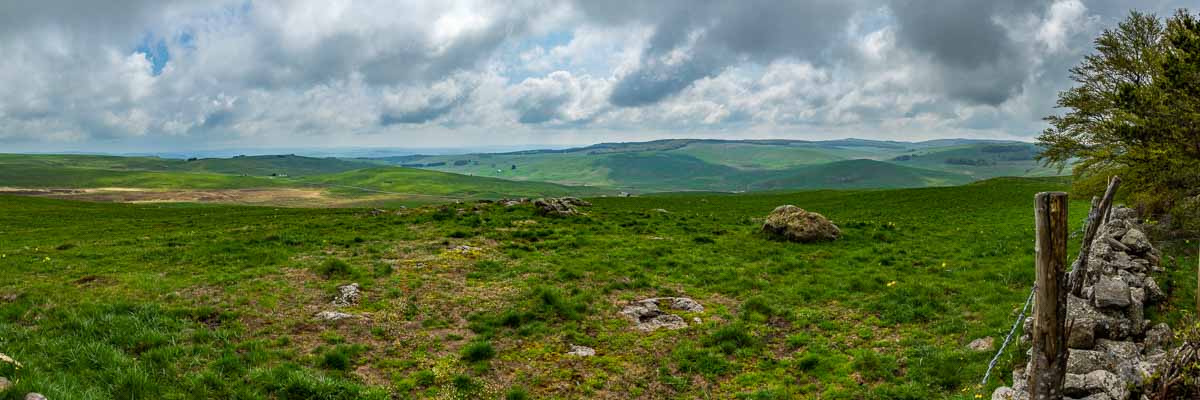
(734, 165)
(348, 182)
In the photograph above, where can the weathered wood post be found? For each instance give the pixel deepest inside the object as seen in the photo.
(1096, 217)
(1049, 364)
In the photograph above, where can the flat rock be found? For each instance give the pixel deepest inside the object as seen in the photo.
(581, 351)
(333, 316)
(1099, 382)
(981, 344)
(1083, 361)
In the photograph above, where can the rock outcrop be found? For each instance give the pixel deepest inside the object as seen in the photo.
(559, 206)
(347, 295)
(1112, 348)
(795, 224)
(648, 315)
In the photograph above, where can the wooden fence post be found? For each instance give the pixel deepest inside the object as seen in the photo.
(1096, 217)
(1049, 364)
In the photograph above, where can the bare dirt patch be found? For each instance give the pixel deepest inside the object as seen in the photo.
(288, 197)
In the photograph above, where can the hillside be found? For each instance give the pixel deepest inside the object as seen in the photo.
(726, 165)
(265, 180)
(219, 301)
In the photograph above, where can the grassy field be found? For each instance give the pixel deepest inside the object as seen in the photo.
(723, 165)
(179, 301)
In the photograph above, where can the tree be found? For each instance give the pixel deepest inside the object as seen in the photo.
(1134, 112)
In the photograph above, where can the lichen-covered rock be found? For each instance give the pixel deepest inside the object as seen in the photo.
(1158, 338)
(1096, 382)
(648, 316)
(581, 351)
(1110, 292)
(981, 344)
(347, 295)
(559, 206)
(1084, 361)
(1136, 241)
(333, 316)
(795, 224)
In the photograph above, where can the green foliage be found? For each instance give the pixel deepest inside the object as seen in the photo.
(1134, 112)
(478, 351)
(334, 268)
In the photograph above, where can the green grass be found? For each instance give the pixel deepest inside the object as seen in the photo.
(203, 301)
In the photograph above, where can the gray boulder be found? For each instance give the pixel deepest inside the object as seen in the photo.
(795, 224)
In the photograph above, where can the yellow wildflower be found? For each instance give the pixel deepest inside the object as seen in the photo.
(892, 283)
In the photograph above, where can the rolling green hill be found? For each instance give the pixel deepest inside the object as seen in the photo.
(346, 182)
(703, 164)
(214, 301)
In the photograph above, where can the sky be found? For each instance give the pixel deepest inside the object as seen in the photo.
(153, 75)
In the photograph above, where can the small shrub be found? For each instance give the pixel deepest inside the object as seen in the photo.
(732, 338)
(334, 267)
(478, 351)
(516, 393)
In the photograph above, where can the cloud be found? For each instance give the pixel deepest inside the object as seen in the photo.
(135, 74)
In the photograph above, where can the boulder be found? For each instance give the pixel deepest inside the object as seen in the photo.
(1136, 241)
(581, 351)
(982, 344)
(1110, 292)
(795, 224)
(347, 295)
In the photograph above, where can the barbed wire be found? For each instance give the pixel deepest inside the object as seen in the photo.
(1008, 339)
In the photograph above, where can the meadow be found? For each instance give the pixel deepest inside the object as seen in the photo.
(178, 301)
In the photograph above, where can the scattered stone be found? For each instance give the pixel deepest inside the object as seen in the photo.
(35, 396)
(560, 206)
(465, 249)
(661, 211)
(982, 344)
(581, 351)
(795, 224)
(4, 384)
(348, 295)
(333, 316)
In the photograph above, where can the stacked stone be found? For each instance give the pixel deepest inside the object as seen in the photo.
(1113, 348)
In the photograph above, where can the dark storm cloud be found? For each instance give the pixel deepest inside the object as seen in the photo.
(982, 63)
(725, 33)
